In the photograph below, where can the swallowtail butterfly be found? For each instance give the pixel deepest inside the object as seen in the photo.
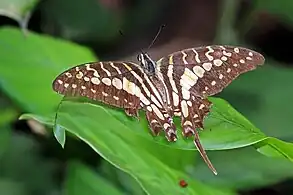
(175, 85)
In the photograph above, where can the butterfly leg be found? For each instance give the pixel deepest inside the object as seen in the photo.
(163, 121)
(192, 115)
(154, 124)
(201, 110)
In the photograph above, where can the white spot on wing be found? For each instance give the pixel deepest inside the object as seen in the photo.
(68, 74)
(79, 75)
(227, 53)
(207, 66)
(166, 125)
(189, 103)
(187, 123)
(218, 62)
(201, 106)
(184, 108)
(175, 99)
(185, 94)
(95, 80)
(117, 83)
(149, 108)
(224, 58)
(106, 81)
(199, 71)
(86, 78)
(171, 80)
(188, 79)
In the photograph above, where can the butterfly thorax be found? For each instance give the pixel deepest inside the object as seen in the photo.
(149, 67)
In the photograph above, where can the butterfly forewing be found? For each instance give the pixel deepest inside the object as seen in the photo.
(112, 83)
(205, 71)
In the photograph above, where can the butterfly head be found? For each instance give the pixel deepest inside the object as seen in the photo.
(146, 63)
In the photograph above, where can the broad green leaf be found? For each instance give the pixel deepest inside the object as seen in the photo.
(120, 178)
(19, 10)
(276, 148)
(108, 122)
(243, 169)
(158, 168)
(30, 64)
(80, 179)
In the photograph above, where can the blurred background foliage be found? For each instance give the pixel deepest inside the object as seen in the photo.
(66, 33)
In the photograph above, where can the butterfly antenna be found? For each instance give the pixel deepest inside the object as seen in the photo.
(157, 35)
(122, 34)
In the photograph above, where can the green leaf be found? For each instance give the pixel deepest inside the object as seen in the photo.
(33, 63)
(120, 178)
(19, 10)
(80, 179)
(243, 169)
(123, 141)
(59, 134)
(276, 148)
(157, 168)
